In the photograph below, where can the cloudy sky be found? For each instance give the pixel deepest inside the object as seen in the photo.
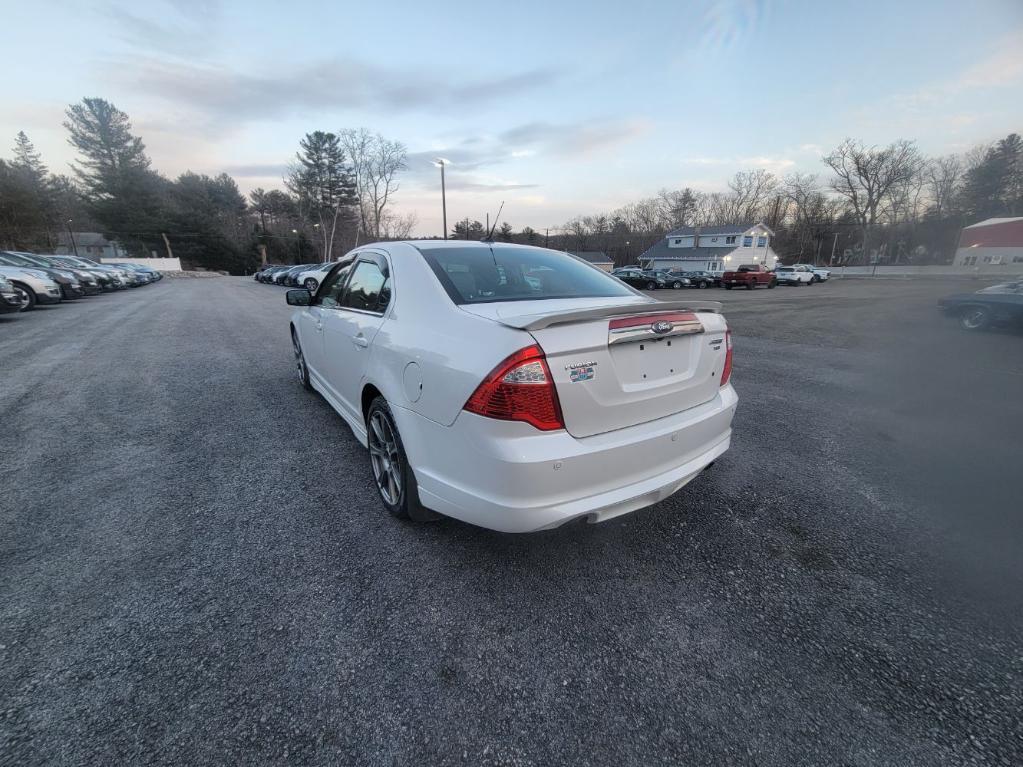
(558, 108)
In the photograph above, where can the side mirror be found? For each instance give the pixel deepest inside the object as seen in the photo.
(299, 297)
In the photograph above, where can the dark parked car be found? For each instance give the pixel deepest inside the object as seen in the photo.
(703, 279)
(997, 306)
(641, 279)
(10, 299)
(673, 278)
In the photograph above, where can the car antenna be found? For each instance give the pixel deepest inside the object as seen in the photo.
(490, 234)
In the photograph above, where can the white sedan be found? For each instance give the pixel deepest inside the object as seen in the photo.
(793, 275)
(514, 387)
(312, 277)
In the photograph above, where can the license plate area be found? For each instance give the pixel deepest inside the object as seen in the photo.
(652, 362)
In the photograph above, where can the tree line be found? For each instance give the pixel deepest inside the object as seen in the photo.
(886, 204)
(338, 191)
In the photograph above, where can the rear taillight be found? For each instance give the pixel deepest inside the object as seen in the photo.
(520, 389)
(727, 372)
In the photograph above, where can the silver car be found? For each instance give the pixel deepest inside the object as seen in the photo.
(34, 286)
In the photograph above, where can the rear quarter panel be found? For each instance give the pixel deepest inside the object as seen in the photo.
(427, 339)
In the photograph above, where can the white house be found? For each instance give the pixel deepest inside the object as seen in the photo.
(993, 245)
(712, 248)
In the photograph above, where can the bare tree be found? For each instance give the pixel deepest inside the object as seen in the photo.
(865, 177)
(751, 189)
(397, 226)
(943, 176)
(375, 163)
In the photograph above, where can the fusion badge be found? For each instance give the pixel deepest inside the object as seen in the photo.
(581, 371)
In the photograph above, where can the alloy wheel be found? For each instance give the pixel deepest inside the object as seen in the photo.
(385, 457)
(973, 319)
(23, 298)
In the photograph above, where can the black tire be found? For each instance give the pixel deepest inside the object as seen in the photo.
(974, 317)
(749, 285)
(311, 284)
(651, 286)
(728, 287)
(701, 284)
(676, 285)
(814, 279)
(28, 296)
(394, 478)
(303, 369)
(772, 284)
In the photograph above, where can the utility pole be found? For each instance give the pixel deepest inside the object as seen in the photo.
(71, 234)
(834, 243)
(547, 238)
(467, 227)
(443, 198)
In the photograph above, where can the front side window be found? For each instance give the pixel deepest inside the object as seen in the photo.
(473, 275)
(368, 290)
(329, 294)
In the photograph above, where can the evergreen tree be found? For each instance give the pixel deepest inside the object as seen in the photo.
(475, 232)
(504, 233)
(322, 181)
(994, 187)
(123, 194)
(26, 157)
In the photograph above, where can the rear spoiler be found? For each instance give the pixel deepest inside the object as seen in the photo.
(540, 321)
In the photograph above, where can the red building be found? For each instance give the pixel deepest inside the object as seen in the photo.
(992, 245)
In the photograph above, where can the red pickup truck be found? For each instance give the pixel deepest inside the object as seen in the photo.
(749, 276)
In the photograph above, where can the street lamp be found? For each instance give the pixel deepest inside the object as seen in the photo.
(440, 162)
(298, 244)
(71, 234)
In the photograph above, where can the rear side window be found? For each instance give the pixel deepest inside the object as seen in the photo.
(368, 289)
(473, 275)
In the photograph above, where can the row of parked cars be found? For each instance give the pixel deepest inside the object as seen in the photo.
(30, 279)
(290, 275)
(746, 275)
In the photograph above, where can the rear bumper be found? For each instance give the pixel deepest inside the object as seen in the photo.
(508, 476)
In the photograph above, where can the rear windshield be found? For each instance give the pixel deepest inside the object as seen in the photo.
(473, 275)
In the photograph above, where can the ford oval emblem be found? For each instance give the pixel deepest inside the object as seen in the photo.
(661, 327)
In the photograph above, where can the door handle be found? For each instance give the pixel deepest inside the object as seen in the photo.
(319, 326)
(360, 340)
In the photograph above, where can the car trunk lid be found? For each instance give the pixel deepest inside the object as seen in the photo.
(626, 363)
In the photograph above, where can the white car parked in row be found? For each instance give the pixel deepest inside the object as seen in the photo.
(793, 275)
(311, 278)
(514, 387)
(819, 272)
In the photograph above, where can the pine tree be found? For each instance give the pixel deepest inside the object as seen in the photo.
(505, 232)
(994, 187)
(322, 181)
(123, 194)
(26, 157)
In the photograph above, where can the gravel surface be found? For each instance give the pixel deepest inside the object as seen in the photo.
(195, 567)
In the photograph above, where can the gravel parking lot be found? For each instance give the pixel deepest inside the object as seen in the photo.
(196, 568)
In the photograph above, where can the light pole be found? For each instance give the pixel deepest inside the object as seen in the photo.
(298, 244)
(440, 162)
(71, 234)
(317, 228)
